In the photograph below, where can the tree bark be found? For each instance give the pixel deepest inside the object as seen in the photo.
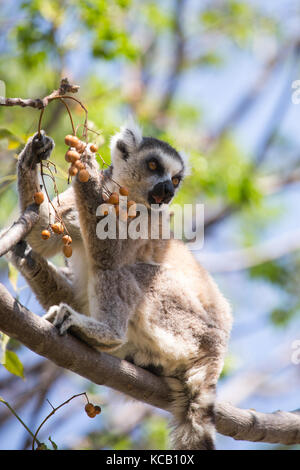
(20, 229)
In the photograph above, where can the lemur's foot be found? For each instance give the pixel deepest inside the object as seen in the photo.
(62, 316)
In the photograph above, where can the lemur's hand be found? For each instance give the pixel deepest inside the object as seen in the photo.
(38, 148)
(42, 146)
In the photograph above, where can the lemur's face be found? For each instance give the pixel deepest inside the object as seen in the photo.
(151, 169)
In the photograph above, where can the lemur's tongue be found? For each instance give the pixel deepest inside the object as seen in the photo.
(157, 199)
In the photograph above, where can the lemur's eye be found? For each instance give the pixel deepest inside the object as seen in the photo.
(152, 165)
(175, 181)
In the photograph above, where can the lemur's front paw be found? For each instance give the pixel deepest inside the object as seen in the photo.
(42, 146)
(62, 316)
(38, 148)
(19, 254)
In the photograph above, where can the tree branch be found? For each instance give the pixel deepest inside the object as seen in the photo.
(40, 103)
(11, 236)
(102, 369)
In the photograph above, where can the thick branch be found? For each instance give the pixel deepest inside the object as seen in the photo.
(68, 352)
(19, 229)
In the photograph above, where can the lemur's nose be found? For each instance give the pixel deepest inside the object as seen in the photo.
(168, 188)
(164, 189)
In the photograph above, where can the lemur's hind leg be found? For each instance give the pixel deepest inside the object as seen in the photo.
(47, 282)
(95, 333)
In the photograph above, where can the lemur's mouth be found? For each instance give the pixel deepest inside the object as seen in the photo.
(159, 200)
(162, 193)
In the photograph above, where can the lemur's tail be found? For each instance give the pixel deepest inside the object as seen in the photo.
(193, 425)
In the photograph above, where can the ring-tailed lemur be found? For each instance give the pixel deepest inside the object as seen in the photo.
(146, 300)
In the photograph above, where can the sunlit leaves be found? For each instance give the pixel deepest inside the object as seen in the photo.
(106, 22)
(282, 274)
(236, 20)
(9, 359)
(222, 173)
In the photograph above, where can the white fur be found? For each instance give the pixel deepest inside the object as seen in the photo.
(130, 134)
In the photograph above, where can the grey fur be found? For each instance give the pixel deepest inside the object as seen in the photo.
(145, 300)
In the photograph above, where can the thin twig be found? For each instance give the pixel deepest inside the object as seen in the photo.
(52, 413)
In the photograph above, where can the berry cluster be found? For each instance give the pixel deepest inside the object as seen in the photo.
(58, 228)
(73, 156)
(120, 210)
(92, 410)
(123, 210)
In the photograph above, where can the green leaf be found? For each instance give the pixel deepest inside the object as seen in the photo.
(4, 341)
(13, 275)
(12, 138)
(53, 443)
(42, 446)
(12, 363)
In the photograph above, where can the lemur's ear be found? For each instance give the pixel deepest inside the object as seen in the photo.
(186, 162)
(126, 141)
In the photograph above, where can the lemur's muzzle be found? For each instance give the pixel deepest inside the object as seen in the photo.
(162, 193)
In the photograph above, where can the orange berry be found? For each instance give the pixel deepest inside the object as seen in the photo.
(97, 409)
(91, 410)
(72, 155)
(45, 234)
(79, 165)
(89, 407)
(67, 239)
(114, 198)
(124, 191)
(73, 170)
(38, 197)
(71, 140)
(57, 228)
(80, 146)
(67, 251)
(93, 148)
(83, 176)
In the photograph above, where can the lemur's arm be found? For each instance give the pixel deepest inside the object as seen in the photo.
(50, 284)
(113, 288)
(37, 149)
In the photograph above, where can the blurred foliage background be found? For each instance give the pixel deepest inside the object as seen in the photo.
(214, 78)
